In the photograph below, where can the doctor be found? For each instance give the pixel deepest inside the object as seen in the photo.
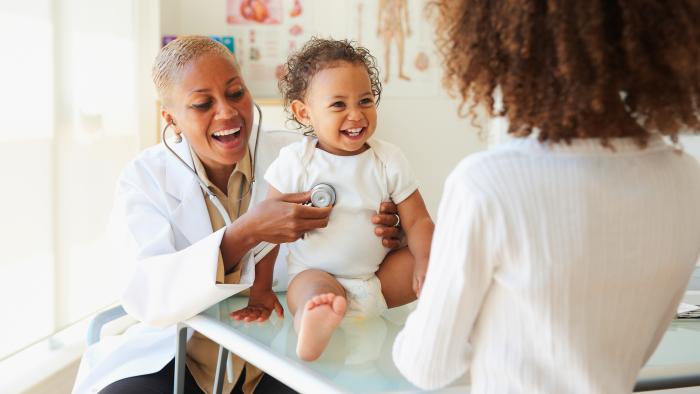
(183, 257)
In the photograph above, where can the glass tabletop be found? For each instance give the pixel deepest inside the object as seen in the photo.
(358, 357)
(679, 346)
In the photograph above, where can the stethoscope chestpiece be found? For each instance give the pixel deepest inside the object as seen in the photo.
(322, 195)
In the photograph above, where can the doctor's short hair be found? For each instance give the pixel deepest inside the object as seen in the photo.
(319, 54)
(177, 54)
(563, 69)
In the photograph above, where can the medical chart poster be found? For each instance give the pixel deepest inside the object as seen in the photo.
(398, 35)
(395, 32)
(266, 32)
(266, 12)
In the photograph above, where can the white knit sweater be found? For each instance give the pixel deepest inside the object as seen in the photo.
(554, 268)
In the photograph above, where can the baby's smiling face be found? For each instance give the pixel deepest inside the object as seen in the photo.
(340, 107)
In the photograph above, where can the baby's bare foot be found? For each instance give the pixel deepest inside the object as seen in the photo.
(320, 316)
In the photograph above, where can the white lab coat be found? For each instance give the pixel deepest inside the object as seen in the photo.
(165, 237)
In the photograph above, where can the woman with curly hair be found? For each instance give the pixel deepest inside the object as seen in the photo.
(560, 256)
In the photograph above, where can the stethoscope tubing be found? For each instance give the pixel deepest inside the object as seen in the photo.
(220, 207)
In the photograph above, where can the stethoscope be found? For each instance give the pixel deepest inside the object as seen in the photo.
(264, 247)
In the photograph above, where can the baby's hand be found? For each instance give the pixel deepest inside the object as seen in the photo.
(419, 276)
(260, 306)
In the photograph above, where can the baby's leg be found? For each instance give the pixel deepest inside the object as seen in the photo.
(318, 304)
(396, 275)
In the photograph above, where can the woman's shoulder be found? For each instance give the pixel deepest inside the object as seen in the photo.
(488, 161)
(485, 172)
(153, 157)
(148, 167)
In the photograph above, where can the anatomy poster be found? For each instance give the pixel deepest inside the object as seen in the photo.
(266, 31)
(266, 12)
(397, 33)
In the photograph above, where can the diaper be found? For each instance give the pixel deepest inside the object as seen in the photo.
(364, 296)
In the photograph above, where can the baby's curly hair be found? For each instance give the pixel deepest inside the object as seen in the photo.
(575, 69)
(319, 54)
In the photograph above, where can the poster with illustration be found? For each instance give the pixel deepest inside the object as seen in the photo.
(266, 32)
(264, 12)
(396, 33)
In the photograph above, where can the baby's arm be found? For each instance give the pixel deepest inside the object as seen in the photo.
(418, 226)
(262, 299)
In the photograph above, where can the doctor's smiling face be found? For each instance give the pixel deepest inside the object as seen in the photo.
(209, 103)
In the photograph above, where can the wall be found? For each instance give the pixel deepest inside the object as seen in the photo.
(691, 145)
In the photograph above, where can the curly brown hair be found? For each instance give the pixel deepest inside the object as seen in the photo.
(575, 69)
(319, 54)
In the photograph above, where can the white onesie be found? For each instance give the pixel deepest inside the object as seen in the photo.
(347, 248)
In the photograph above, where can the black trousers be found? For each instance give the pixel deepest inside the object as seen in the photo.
(163, 382)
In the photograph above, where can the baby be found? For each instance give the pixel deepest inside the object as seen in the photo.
(331, 89)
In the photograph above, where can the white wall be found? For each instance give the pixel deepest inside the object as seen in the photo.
(691, 145)
(428, 129)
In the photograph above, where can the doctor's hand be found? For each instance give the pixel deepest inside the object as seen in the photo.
(260, 305)
(282, 218)
(386, 220)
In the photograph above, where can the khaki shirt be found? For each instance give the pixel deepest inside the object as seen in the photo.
(202, 352)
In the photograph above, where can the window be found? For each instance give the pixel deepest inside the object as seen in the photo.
(77, 104)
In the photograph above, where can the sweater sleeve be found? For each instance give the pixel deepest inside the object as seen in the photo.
(433, 348)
